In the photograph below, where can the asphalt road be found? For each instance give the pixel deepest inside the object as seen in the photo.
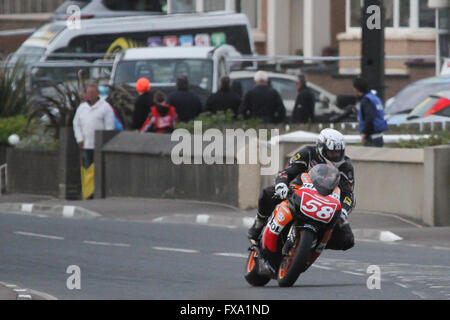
(130, 260)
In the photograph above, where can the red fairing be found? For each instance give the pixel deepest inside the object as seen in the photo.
(270, 240)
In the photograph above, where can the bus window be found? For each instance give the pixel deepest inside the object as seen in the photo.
(135, 5)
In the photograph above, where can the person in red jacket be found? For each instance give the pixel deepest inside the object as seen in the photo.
(162, 117)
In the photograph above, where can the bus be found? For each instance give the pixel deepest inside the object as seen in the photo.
(104, 37)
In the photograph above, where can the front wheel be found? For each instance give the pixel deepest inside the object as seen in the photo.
(296, 261)
(251, 271)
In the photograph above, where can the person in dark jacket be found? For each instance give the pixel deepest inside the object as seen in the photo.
(143, 103)
(370, 115)
(224, 98)
(305, 102)
(162, 118)
(263, 101)
(186, 103)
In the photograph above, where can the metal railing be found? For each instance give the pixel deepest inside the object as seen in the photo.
(278, 60)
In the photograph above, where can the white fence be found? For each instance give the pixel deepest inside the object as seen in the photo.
(28, 6)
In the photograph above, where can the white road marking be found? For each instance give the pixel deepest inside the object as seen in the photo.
(99, 243)
(27, 207)
(202, 218)
(321, 267)
(421, 295)
(24, 296)
(230, 254)
(354, 273)
(402, 285)
(30, 234)
(415, 245)
(175, 249)
(20, 290)
(441, 248)
(68, 211)
(389, 236)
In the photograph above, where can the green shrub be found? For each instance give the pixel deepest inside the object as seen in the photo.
(12, 125)
(13, 97)
(435, 139)
(221, 120)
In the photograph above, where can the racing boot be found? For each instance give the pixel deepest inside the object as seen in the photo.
(269, 263)
(255, 230)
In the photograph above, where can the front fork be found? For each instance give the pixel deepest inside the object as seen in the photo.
(317, 249)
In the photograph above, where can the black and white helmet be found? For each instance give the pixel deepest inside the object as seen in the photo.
(331, 146)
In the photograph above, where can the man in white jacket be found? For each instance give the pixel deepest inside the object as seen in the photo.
(92, 115)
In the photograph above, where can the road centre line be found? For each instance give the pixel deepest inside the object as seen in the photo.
(231, 254)
(353, 273)
(321, 267)
(99, 243)
(37, 235)
(175, 249)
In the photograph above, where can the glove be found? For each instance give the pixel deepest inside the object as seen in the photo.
(281, 190)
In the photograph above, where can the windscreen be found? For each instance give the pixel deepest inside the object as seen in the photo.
(413, 95)
(164, 71)
(27, 55)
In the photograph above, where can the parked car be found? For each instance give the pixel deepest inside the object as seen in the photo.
(204, 66)
(285, 84)
(414, 94)
(437, 104)
(109, 8)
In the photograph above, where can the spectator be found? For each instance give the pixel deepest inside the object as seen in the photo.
(143, 103)
(224, 98)
(370, 115)
(236, 87)
(305, 102)
(187, 104)
(92, 115)
(162, 118)
(263, 101)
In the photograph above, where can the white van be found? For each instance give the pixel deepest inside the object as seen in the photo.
(204, 66)
(97, 37)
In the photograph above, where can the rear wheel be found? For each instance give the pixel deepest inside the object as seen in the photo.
(296, 261)
(251, 271)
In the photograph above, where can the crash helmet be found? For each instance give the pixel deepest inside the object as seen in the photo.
(331, 146)
(325, 178)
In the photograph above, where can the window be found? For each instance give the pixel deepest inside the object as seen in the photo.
(389, 13)
(355, 13)
(213, 5)
(251, 9)
(135, 5)
(286, 88)
(398, 14)
(183, 6)
(426, 15)
(163, 71)
(404, 13)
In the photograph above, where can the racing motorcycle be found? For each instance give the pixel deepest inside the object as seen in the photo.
(302, 239)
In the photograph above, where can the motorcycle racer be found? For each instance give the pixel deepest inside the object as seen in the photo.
(318, 197)
(329, 149)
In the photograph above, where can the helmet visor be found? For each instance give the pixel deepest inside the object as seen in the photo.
(334, 155)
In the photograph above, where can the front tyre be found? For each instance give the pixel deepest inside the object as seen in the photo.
(297, 261)
(251, 272)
